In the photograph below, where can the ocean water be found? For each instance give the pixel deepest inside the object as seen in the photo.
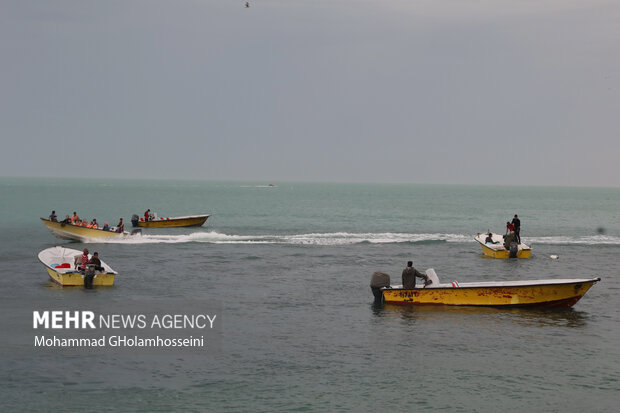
(290, 266)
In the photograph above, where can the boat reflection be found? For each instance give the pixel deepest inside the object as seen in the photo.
(527, 317)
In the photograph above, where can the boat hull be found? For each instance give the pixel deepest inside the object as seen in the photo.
(77, 233)
(534, 295)
(192, 221)
(489, 252)
(75, 279)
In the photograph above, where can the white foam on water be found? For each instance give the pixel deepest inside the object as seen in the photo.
(210, 237)
(335, 238)
(343, 238)
(583, 240)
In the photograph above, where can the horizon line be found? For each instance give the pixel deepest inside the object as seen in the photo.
(283, 182)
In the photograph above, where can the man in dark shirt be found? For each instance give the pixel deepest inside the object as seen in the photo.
(517, 228)
(409, 275)
(95, 261)
(53, 217)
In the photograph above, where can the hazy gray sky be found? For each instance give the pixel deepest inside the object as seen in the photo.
(425, 91)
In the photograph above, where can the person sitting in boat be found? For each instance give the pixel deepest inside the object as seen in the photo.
(147, 215)
(489, 239)
(94, 224)
(95, 262)
(509, 227)
(120, 226)
(75, 219)
(409, 275)
(67, 220)
(84, 223)
(81, 261)
(106, 227)
(53, 217)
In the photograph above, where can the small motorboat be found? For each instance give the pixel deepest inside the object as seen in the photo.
(496, 249)
(60, 265)
(78, 233)
(531, 293)
(169, 222)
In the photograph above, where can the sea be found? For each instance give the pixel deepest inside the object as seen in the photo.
(288, 266)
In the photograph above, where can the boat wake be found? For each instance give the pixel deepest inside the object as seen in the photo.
(335, 238)
(343, 238)
(583, 240)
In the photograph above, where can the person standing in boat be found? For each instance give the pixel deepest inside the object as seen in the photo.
(409, 275)
(120, 227)
(509, 227)
(147, 215)
(53, 217)
(516, 222)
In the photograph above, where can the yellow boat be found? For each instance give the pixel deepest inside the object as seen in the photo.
(497, 250)
(534, 293)
(79, 233)
(171, 222)
(59, 263)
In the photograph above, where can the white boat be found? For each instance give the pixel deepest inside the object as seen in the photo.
(60, 265)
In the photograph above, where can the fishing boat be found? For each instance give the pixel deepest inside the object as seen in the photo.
(60, 265)
(169, 222)
(496, 249)
(78, 233)
(531, 293)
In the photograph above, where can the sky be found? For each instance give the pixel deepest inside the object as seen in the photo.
(394, 91)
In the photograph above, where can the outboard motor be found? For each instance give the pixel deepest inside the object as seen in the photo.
(134, 220)
(377, 281)
(514, 249)
(89, 275)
